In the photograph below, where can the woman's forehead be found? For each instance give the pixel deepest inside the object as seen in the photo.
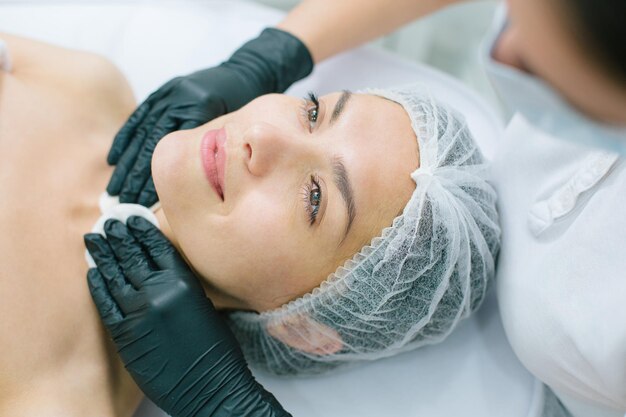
(380, 151)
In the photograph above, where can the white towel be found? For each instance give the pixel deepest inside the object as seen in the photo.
(111, 208)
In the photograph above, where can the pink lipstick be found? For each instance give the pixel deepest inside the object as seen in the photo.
(213, 154)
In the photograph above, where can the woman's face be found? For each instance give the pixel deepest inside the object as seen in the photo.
(538, 40)
(301, 192)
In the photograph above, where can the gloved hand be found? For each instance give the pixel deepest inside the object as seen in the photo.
(174, 344)
(267, 64)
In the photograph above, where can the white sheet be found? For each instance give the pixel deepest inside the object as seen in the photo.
(474, 373)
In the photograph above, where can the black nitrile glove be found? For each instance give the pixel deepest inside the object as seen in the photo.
(174, 344)
(267, 64)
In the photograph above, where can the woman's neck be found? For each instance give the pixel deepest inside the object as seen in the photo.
(165, 227)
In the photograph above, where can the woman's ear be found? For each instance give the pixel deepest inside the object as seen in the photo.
(306, 335)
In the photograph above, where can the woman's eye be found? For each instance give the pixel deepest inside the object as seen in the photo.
(312, 117)
(313, 199)
(311, 110)
(316, 196)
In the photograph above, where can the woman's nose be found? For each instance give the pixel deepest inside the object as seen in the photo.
(507, 50)
(267, 146)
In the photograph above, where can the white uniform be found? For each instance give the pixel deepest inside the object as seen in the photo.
(561, 277)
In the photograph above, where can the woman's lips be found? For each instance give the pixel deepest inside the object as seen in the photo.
(213, 154)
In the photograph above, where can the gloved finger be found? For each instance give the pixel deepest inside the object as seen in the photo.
(107, 307)
(128, 252)
(138, 119)
(189, 124)
(161, 252)
(127, 159)
(109, 268)
(137, 176)
(191, 116)
(140, 172)
(126, 133)
(148, 195)
(124, 165)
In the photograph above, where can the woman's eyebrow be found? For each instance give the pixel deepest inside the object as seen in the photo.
(342, 182)
(339, 106)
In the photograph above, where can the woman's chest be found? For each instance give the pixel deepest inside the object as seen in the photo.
(52, 172)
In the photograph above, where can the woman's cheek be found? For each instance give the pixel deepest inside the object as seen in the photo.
(177, 175)
(262, 247)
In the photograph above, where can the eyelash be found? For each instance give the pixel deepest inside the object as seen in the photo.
(307, 195)
(310, 110)
(312, 202)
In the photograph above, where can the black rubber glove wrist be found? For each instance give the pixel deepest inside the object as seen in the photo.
(174, 344)
(269, 63)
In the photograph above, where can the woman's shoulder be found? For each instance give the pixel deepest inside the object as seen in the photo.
(86, 76)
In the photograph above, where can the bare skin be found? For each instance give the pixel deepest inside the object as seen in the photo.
(538, 39)
(59, 110)
(328, 27)
(50, 370)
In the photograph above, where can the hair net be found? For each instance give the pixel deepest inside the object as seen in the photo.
(411, 285)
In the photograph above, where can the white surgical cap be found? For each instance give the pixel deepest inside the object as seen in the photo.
(411, 285)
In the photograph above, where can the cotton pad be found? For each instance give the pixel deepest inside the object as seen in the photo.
(111, 208)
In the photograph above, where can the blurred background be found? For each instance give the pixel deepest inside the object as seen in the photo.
(448, 40)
